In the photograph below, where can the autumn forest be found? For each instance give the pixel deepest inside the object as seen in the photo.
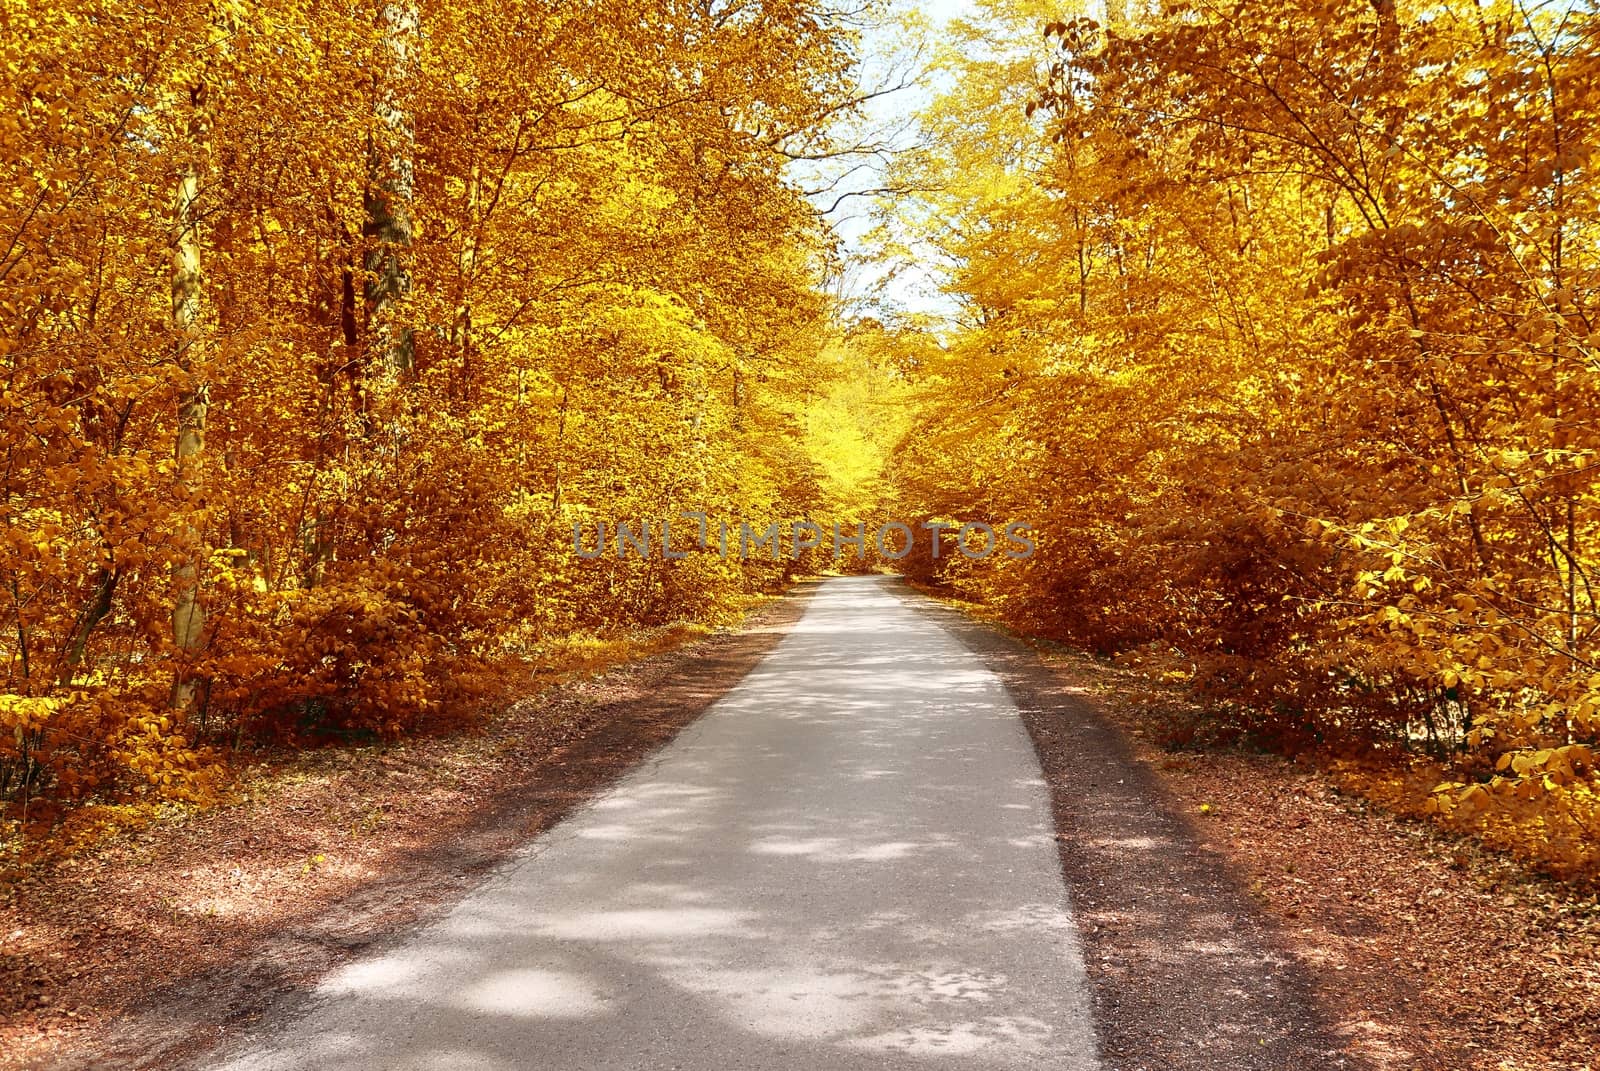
(324, 325)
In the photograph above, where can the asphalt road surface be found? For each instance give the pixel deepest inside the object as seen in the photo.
(847, 863)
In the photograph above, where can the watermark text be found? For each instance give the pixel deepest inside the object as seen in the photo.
(892, 541)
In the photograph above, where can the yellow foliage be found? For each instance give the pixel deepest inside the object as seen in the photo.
(1302, 390)
(320, 331)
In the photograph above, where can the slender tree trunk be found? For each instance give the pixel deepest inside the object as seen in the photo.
(88, 619)
(390, 187)
(461, 330)
(188, 608)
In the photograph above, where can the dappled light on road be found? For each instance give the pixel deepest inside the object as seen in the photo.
(847, 863)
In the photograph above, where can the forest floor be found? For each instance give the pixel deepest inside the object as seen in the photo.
(154, 945)
(1424, 951)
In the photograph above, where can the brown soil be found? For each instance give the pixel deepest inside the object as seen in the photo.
(156, 946)
(1239, 911)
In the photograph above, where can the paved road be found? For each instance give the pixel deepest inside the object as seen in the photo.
(845, 864)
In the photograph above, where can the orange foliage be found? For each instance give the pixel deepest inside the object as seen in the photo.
(321, 326)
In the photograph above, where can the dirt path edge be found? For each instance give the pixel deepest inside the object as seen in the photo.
(1186, 971)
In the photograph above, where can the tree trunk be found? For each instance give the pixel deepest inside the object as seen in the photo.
(188, 608)
(390, 185)
(467, 264)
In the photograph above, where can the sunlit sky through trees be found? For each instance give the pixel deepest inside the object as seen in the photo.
(894, 67)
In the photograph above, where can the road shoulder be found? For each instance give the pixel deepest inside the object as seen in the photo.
(1186, 971)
